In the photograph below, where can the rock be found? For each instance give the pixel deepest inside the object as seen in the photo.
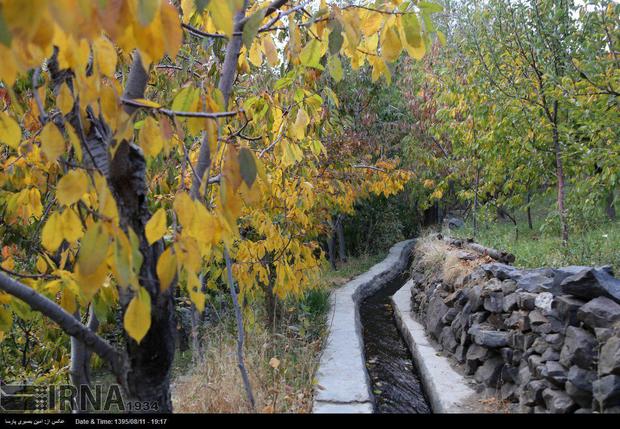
(544, 301)
(489, 338)
(489, 372)
(518, 320)
(555, 341)
(506, 353)
(509, 286)
(550, 354)
(555, 373)
(510, 302)
(540, 345)
(526, 300)
(454, 298)
(579, 348)
(601, 312)
(477, 353)
(609, 359)
(494, 302)
(459, 354)
(509, 374)
(591, 283)
(535, 282)
(603, 334)
(525, 375)
(502, 271)
(612, 410)
(447, 339)
(567, 307)
(533, 392)
(558, 402)
(522, 341)
(507, 392)
(474, 295)
(535, 364)
(434, 313)
(579, 385)
(455, 223)
(607, 391)
(583, 411)
(543, 328)
(537, 318)
(449, 316)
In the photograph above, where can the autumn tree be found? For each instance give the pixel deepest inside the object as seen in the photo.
(156, 148)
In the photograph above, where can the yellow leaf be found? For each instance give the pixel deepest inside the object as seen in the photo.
(122, 260)
(274, 362)
(156, 226)
(417, 52)
(75, 142)
(171, 26)
(270, 51)
(137, 319)
(93, 250)
(222, 14)
(67, 301)
(10, 133)
(166, 268)
(51, 235)
(298, 129)
(70, 226)
(151, 139)
(64, 101)
(390, 44)
(255, 55)
(71, 187)
(184, 208)
(52, 142)
(105, 56)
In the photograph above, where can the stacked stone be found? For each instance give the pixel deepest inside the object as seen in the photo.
(547, 339)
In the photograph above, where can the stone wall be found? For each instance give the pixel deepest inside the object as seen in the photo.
(546, 340)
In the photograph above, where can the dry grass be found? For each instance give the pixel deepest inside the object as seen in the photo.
(281, 369)
(438, 260)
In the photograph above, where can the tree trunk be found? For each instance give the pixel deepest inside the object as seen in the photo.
(476, 199)
(610, 207)
(529, 211)
(559, 172)
(150, 361)
(342, 250)
(331, 249)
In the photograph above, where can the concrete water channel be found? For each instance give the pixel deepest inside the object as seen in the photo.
(377, 358)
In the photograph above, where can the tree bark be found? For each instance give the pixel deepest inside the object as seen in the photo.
(342, 250)
(529, 211)
(150, 361)
(559, 172)
(610, 208)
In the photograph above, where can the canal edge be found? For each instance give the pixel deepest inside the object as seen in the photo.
(343, 384)
(447, 390)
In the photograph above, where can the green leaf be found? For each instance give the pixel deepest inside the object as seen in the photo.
(5, 34)
(411, 28)
(335, 37)
(247, 165)
(334, 66)
(250, 29)
(147, 9)
(311, 55)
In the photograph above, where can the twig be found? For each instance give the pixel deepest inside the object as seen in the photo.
(240, 331)
(173, 113)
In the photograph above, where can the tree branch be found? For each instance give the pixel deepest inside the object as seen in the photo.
(65, 321)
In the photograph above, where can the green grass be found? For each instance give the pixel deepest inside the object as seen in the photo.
(353, 267)
(595, 242)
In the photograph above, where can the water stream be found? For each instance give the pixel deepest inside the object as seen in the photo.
(395, 381)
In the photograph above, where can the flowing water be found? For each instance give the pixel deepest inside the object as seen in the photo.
(395, 381)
